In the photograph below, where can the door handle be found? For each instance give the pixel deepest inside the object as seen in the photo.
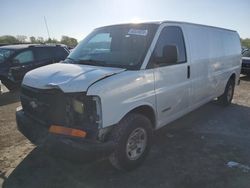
(188, 71)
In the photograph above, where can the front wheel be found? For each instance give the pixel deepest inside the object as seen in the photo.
(133, 137)
(226, 98)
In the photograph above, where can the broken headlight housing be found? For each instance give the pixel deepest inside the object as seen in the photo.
(78, 106)
(84, 110)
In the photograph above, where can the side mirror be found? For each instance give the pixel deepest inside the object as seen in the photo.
(169, 55)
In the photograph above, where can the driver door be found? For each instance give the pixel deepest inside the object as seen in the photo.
(172, 80)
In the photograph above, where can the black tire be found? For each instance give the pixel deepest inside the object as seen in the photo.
(226, 98)
(121, 158)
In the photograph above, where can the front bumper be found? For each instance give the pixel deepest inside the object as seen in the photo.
(64, 146)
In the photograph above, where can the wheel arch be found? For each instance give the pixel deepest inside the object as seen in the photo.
(233, 77)
(147, 111)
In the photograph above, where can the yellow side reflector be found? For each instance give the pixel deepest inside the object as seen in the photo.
(67, 131)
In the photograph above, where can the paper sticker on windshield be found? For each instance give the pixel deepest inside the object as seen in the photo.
(138, 32)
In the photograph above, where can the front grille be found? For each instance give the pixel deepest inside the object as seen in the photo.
(52, 106)
(44, 105)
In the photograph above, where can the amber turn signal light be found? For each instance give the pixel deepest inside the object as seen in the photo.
(67, 131)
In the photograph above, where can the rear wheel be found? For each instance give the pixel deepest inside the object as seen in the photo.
(226, 98)
(133, 138)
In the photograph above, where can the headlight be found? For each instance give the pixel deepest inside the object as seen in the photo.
(87, 108)
(78, 106)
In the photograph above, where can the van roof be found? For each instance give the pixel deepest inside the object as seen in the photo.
(169, 21)
(203, 25)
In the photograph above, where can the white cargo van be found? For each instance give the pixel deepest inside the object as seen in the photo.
(122, 82)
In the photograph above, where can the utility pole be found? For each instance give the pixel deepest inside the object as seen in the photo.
(46, 26)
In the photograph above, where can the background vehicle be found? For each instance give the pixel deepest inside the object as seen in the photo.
(245, 68)
(16, 60)
(122, 82)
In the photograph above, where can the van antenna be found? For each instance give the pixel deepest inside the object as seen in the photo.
(45, 21)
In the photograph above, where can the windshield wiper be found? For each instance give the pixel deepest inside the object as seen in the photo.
(91, 62)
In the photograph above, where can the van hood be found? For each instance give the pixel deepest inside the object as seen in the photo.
(67, 77)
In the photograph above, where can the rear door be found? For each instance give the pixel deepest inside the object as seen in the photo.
(172, 83)
(43, 56)
(21, 64)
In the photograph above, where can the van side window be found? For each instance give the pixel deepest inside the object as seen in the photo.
(171, 35)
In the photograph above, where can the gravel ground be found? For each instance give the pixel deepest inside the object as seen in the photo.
(190, 152)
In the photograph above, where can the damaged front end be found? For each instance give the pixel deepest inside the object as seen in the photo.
(50, 115)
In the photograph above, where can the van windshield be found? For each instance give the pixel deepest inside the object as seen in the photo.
(122, 46)
(4, 54)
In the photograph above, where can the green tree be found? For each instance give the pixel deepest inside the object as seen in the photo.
(69, 41)
(245, 42)
(54, 41)
(40, 40)
(8, 39)
(33, 39)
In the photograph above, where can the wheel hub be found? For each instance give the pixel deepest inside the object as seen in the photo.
(136, 143)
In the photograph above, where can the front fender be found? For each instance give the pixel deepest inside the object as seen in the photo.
(122, 93)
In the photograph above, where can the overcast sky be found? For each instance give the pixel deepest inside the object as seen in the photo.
(76, 18)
